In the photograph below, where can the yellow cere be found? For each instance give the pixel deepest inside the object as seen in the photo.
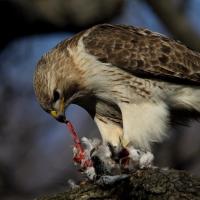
(54, 113)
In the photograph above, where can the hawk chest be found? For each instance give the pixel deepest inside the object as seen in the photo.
(110, 83)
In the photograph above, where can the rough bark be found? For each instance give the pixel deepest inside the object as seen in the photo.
(151, 184)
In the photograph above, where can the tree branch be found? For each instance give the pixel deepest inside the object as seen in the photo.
(176, 22)
(21, 17)
(152, 184)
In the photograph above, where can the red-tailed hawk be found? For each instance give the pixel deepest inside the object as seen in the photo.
(132, 81)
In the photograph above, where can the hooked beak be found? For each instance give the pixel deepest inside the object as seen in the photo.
(60, 115)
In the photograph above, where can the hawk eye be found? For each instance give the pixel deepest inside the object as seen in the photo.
(56, 95)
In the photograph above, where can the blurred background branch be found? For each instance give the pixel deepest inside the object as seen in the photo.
(21, 17)
(173, 17)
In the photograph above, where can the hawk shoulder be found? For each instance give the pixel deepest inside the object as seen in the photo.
(143, 53)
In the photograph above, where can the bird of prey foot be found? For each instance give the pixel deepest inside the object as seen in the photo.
(109, 164)
(133, 82)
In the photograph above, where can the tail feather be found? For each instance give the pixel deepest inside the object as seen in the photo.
(188, 98)
(185, 106)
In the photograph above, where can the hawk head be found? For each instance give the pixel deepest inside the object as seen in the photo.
(56, 82)
(49, 88)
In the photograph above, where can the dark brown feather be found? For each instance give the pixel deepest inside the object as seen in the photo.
(144, 53)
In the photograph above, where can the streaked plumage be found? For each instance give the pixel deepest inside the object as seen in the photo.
(129, 79)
